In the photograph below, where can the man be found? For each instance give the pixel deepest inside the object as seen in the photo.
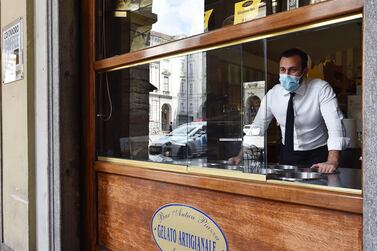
(171, 127)
(308, 114)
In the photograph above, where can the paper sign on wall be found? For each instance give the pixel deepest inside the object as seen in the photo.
(12, 52)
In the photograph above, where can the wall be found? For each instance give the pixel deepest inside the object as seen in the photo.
(58, 120)
(370, 122)
(41, 130)
(18, 139)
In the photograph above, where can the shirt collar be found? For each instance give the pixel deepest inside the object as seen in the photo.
(301, 89)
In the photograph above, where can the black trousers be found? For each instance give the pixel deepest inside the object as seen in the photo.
(303, 158)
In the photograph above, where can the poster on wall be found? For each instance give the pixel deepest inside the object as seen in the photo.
(12, 52)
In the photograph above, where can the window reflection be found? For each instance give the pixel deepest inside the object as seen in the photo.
(129, 25)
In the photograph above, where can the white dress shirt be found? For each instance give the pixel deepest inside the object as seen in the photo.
(318, 119)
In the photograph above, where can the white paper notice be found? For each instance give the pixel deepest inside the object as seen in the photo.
(12, 52)
(10, 68)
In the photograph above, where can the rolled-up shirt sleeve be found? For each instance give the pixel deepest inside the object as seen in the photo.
(333, 119)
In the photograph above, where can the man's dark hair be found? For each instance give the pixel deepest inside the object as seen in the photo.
(296, 52)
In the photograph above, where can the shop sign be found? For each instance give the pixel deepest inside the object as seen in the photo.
(12, 52)
(246, 10)
(177, 227)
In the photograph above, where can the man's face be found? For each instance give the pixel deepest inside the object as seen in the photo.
(291, 66)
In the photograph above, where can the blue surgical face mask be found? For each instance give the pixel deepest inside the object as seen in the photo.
(289, 82)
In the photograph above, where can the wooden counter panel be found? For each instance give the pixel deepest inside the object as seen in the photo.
(126, 205)
(293, 194)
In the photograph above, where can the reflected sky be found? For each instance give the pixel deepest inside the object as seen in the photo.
(179, 17)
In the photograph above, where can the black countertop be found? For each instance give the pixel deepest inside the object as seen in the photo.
(344, 178)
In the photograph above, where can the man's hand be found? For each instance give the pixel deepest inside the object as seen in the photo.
(236, 160)
(326, 167)
(331, 164)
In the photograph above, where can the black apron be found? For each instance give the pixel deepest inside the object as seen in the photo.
(303, 158)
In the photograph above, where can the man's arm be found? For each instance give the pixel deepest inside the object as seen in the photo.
(333, 118)
(236, 160)
(261, 122)
(331, 164)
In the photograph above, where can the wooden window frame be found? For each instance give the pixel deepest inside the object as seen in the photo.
(302, 16)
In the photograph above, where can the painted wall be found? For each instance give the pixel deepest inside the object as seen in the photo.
(370, 121)
(18, 139)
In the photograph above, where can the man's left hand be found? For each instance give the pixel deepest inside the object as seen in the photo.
(325, 167)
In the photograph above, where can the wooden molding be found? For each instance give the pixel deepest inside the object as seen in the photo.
(88, 126)
(298, 195)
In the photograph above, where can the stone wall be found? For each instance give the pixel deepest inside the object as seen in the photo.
(370, 123)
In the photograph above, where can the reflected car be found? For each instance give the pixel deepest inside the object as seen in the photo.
(187, 140)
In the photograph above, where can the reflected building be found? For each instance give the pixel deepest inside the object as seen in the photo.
(180, 92)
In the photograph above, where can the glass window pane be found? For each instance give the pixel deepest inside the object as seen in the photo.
(210, 109)
(219, 82)
(129, 25)
(327, 99)
(142, 112)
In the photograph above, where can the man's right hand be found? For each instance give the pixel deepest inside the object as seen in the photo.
(236, 160)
